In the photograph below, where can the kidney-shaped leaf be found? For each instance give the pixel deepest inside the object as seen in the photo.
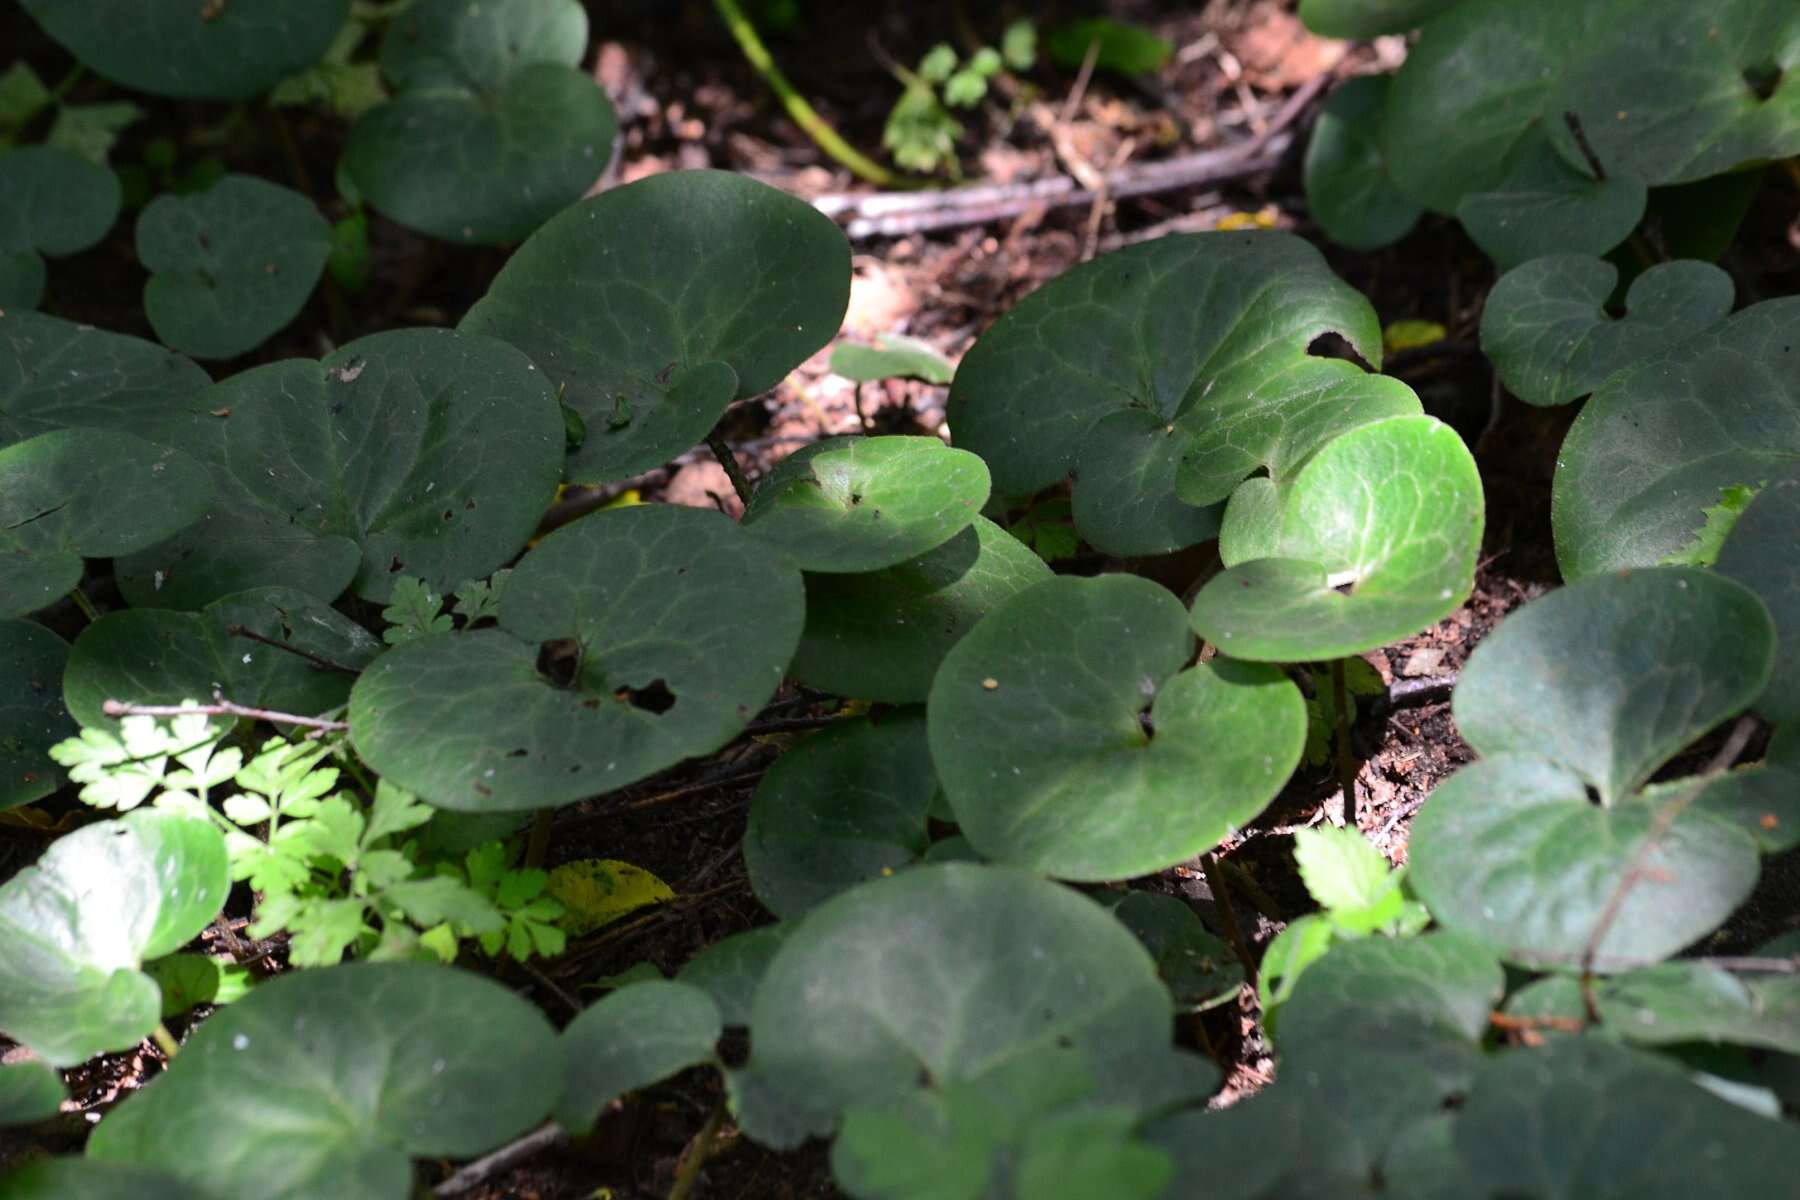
(1611, 677)
(847, 805)
(1199, 970)
(494, 127)
(1069, 738)
(664, 630)
(154, 656)
(229, 266)
(29, 1091)
(1374, 539)
(658, 303)
(221, 51)
(637, 1036)
(55, 374)
(1549, 335)
(52, 202)
(32, 716)
(75, 927)
(730, 970)
(1196, 341)
(939, 975)
(420, 452)
(350, 1069)
(1676, 1002)
(1348, 187)
(1661, 443)
(852, 505)
(1762, 552)
(83, 493)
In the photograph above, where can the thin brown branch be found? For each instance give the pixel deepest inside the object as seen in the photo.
(740, 483)
(1215, 883)
(482, 1169)
(316, 660)
(221, 707)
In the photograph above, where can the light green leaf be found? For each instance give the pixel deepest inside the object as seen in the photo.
(30, 1091)
(893, 356)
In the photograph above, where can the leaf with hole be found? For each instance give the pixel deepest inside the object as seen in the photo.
(32, 715)
(881, 635)
(854, 505)
(223, 51)
(76, 927)
(637, 1036)
(846, 805)
(229, 266)
(628, 641)
(1069, 738)
(354, 1068)
(1548, 332)
(1374, 538)
(658, 303)
(52, 515)
(493, 128)
(420, 452)
(155, 656)
(55, 374)
(52, 203)
(1348, 187)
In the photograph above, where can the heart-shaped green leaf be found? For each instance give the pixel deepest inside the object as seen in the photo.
(1549, 335)
(940, 975)
(32, 716)
(52, 202)
(1762, 552)
(1660, 443)
(229, 266)
(75, 927)
(55, 374)
(84, 1179)
(1545, 204)
(1377, 537)
(638, 302)
(154, 656)
(1199, 970)
(1489, 75)
(731, 970)
(494, 128)
(1549, 681)
(1069, 738)
(847, 805)
(853, 505)
(1203, 338)
(667, 628)
(228, 51)
(1362, 19)
(29, 1091)
(1348, 187)
(353, 1068)
(52, 515)
(637, 1036)
(419, 452)
(1583, 1119)
(881, 636)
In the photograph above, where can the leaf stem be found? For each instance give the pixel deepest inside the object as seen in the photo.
(698, 1151)
(85, 605)
(165, 1041)
(1346, 760)
(539, 844)
(1215, 883)
(740, 483)
(324, 664)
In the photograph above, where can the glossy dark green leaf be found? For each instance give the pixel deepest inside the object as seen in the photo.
(55, 374)
(1126, 500)
(881, 635)
(84, 1179)
(730, 970)
(493, 129)
(155, 656)
(1348, 188)
(1762, 552)
(1116, 46)
(1762, 799)
(632, 1038)
(847, 805)
(641, 300)
(1390, 512)
(939, 975)
(681, 626)
(854, 505)
(1199, 970)
(418, 452)
(893, 356)
(1367, 18)
(52, 203)
(1550, 337)
(1546, 204)
(231, 51)
(75, 927)
(54, 511)
(29, 1091)
(32, 716)
(1678, 1002)
(1660, 443)
(350, 1069)
(1070, 739)
(229, 266)
(1582, 1119)
(1206, 334)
